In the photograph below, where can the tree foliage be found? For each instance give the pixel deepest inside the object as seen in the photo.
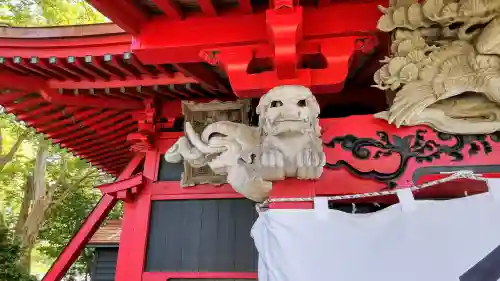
(46, 192)
(48, 12)
(9, 255)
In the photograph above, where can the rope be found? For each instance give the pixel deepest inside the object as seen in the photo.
(465, 174)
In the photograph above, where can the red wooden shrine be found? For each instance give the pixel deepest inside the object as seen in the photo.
(111, 92)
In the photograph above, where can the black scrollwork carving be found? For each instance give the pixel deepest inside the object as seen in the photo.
(407, 147)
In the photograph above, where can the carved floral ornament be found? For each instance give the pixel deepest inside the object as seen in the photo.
(444, 65)
(286, 144)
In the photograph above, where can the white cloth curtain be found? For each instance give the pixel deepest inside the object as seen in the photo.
(447, 240)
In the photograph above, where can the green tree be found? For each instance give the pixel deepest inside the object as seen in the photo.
(46, 192)
(9, 255)
(48, 13)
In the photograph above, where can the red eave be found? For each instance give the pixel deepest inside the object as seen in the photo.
(82, 87)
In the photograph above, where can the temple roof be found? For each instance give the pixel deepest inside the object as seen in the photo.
(108, 234)
(83, 86)
(92, 86)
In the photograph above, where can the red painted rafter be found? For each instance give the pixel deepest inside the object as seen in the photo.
(106, 150)
(21, 83)
(12, 96)
(96, 141)
(96, 126)
(209, 79)
(113, 63)
(43, 110)
(207, 7)
(163, 79)
(113, 158)
(105, 139)
(86, 115)
(123, 13)
(48, 115)
(53, 97)
(55, 120)
(245, 6)
(170, 8)
(89, 148)
(110, 155)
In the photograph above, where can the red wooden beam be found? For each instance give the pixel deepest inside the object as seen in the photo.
(188, 38)
(132, 166)
(77, 244)
(170, 8)
(207, 78)
(53, 97)
(70, 45)
(123, 13)
(207, 7)
(121, 185)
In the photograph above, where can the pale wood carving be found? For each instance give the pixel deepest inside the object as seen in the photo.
(444, 65)
(285, 144)
(199, 116)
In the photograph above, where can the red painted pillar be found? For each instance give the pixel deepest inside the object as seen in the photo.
(133, 238)
(135, 226)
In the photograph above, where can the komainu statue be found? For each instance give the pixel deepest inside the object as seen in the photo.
(444, 66)
(285, 144)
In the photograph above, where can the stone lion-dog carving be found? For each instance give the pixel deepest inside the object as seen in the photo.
(286, 144)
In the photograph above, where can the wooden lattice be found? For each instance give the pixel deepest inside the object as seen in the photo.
(200, 115)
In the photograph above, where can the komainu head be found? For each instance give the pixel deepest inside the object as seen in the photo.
(288, 109)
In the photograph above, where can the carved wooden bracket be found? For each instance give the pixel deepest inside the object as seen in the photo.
(200, 115)
(142, 140)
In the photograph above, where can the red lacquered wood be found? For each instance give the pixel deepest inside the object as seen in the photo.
(135, 225)
(78, 242)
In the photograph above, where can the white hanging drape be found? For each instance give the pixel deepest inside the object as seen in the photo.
(446, 240)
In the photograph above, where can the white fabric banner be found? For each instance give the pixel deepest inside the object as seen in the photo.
(446, 240)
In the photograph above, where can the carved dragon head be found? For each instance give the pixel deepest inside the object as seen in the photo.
(288, 109)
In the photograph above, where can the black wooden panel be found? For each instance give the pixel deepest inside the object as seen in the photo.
(104, 267)
(170, 171)
(202, 236)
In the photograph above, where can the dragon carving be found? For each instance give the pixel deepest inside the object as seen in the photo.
(444, 66)
(286, 144)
